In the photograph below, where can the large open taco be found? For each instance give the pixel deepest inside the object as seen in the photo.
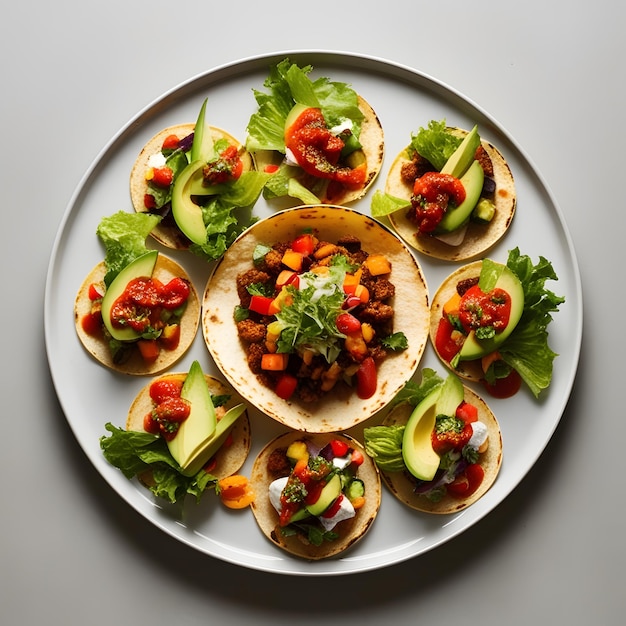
(433, 167)
(300, 508)
(391, 353)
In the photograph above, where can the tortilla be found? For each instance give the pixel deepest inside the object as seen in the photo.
(350, 531)
(229, 459)
(341, 409)
(165, 270)
(167, 233)
(479, 237)
(373, 150)
(402, 486)
(468, 370)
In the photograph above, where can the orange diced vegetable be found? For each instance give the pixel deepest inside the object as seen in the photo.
(235, 491)
(274, 361)
(451, 307)
(325, 250)
(378, 264)
(362, 293)
(170, 336)
(292, 260)
(351, 281)
(149, 349)
(358, 502)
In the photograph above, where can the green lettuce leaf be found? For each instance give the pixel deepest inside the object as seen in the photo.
(229, 213)
(134, 453)
(289, 84)
(527, 349)
(124, 237)
(384, 204)
(384, 443)
(435, 143)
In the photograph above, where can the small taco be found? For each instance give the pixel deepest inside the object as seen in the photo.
(440, 448)
(193, 176)
(449, 194)
(322, 142)
(316, 495)
(489, 323)
(317, 315)
(137, 312)
(184, 432)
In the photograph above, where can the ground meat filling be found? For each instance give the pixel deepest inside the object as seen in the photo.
(315, 375)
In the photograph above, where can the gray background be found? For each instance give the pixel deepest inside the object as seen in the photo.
(72, 75)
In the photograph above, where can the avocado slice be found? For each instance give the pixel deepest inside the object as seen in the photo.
(202, 146)
(199, 458)
(329, 494)
(474, 348)
(295, 112)
(463, 156)
(141, 267)
(200, 424)
(187, 214)
(417, 449)
(472, 181)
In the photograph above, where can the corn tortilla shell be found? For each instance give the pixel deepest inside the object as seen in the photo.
(170, 236)
(401, 486)
(479, 237)
(165, 269)
(228, 460)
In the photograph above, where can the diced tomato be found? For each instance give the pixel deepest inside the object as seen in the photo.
(287, 277)
(149, 349)
(357, 457)
(339, 448)
(170, 143)
(347, 323)
(163, 176)
(468, 482)
(261, 304)
(286, 386)
(445, 344)
(164, 388)
(271, 169)
(366, 378)
(504, 387)
(467, 412)
(334, 507)
(304, 244)
(94, 294)
(451, 440)
(149, 201)
(92, 323)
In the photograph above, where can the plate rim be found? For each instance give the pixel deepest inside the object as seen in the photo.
(349, 61)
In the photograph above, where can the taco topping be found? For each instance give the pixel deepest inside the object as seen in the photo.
(440, 447)
(317, 150)
(314, 490)
(314, 314)
(147, 306)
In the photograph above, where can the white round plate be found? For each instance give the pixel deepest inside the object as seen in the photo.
(404, 100)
